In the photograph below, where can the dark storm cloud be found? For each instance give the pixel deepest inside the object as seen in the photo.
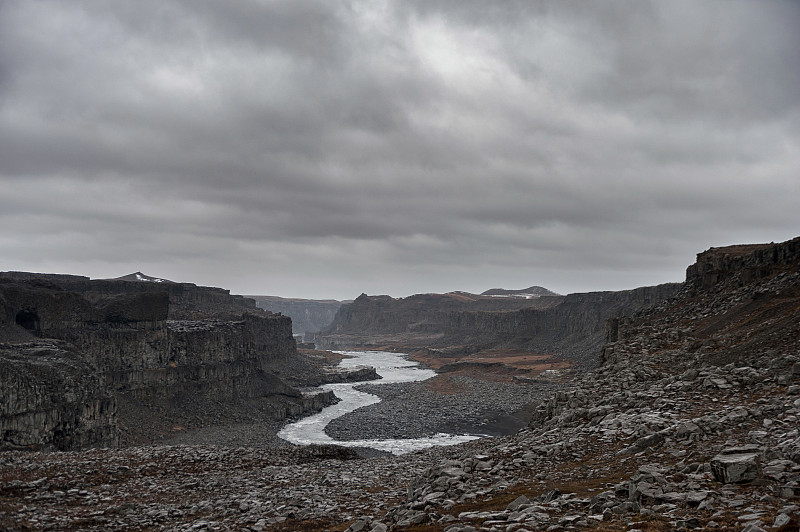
(327, 148)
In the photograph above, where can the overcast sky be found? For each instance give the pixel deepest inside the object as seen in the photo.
(324, 149)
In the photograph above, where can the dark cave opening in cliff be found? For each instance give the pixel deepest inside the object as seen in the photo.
(28, 319)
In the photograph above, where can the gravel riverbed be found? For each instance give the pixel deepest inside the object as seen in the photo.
(455, 404)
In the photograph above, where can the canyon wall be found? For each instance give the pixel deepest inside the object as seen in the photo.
(572, 327)
(415, 321)
(73, 349)
(737, 302)
(52, 398)
(744, 263)
(308, 315)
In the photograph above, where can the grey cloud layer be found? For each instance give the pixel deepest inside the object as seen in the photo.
(329, 148)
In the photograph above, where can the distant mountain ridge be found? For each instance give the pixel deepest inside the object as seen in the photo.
(419, 320)
(528, 293)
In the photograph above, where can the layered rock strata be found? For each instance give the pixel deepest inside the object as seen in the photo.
(572, 327)
(73, 348)
(417, 321)
(53, 398)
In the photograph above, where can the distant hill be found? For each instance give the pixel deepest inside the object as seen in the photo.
(139, 276)
(527, 293)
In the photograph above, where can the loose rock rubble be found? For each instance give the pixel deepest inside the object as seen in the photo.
(657, 456)
(663, 436)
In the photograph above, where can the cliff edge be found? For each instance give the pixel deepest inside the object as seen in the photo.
(107, 362)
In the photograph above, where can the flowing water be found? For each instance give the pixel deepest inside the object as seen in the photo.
(394, 368)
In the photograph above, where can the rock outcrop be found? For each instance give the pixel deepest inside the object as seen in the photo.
(744, 263)
(53, 398)
(74, 348)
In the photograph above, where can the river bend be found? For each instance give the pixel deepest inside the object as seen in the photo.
(393, 368)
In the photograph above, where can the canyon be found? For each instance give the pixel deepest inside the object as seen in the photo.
(459, 330)
(686, 417)
(308, 315)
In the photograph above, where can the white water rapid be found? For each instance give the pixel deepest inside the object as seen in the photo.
(394, 368)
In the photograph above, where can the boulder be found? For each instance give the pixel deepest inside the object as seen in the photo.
(690, 374)
(518, 503)
(688, 430)
(735, 468)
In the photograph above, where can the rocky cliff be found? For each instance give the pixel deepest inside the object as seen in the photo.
(308, 315)
(737, 301)
(415, 321)
(572, 327)
(75, 349)
(53, 398)
(742, 264)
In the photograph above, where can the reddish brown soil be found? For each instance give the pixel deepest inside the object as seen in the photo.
(493, 364)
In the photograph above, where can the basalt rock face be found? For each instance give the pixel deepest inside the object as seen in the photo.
(574, 329)
(418, 320)
(53, 398)
(73, 348)
(743, 263)
(737, 301)
(308, 315)
(572, 326)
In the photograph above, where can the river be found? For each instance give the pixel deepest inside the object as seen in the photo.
(393, 368)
